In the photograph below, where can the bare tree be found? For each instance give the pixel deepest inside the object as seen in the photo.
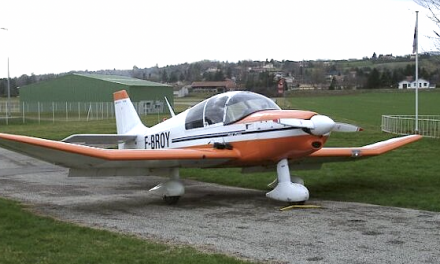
(434, 8)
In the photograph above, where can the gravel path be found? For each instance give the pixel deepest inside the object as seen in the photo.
(234, 221)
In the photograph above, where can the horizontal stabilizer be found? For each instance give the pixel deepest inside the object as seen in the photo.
(99, 139)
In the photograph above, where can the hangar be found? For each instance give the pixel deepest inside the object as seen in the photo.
(94, 88)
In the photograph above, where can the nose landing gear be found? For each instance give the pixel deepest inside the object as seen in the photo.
(286, 190)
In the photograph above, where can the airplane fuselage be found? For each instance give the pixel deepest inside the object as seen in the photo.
(259, 137)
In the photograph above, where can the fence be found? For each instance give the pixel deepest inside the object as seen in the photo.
(429, 125)
(70, 111)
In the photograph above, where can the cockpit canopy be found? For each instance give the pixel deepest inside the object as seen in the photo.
(227, 108)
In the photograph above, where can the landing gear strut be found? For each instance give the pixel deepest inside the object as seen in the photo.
(286, 190)
(172, 189)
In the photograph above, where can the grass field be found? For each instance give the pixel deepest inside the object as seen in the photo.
(407, 177)
(27, 238)
(430, 64)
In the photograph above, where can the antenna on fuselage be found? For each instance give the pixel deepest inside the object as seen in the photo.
(169, 107)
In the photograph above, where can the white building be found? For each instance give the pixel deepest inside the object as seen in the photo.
(412, 85)
(181, 92)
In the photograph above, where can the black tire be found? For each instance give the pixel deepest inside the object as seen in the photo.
(170, 200)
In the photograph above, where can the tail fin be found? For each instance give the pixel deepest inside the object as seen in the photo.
(126, 116)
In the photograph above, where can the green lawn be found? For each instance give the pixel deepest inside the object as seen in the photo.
(367, 108)
(27, 238)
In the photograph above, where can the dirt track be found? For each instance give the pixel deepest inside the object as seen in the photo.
(233, 221)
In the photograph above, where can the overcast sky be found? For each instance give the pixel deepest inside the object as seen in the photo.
(60, 36)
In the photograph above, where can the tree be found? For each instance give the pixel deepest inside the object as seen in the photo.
(219, 76)
(229, 72)
(194, 72)
(173, 77)
(3, 87)
(136, 73)
(373, 80)
(182, 77)
(409, 70)
(397, 76)
(434, 8)
(164, 76)
(318, 74)
(333, 84)
(386, 79)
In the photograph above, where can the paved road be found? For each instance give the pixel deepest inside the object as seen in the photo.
(233, 221)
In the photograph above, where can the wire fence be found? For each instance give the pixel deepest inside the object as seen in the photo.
(70, 111)
(428, 125)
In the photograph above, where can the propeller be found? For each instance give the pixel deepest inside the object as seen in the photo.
(319, 125)
(344, 127)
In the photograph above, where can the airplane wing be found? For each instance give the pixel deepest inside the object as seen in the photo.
(98, 139)
(352, 153)
(91, 161)
(315, 160)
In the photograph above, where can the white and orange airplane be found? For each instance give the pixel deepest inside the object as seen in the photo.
(233, 129)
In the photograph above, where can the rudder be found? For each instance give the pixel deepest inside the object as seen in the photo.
(126, 116)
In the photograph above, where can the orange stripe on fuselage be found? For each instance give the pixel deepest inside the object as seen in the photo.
(119, 95)
(258, 152)
(271, 151)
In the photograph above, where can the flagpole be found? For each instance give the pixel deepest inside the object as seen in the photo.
(416, 36)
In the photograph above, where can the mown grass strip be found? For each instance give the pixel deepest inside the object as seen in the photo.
(27, 238)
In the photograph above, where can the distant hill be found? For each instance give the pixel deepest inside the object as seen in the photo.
(383, 71)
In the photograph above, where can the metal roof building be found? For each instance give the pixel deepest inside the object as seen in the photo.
(91, 88)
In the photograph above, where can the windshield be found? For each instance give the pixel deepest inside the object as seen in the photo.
(227, 108)
(194, 118)
(243, 104)
(215, 110)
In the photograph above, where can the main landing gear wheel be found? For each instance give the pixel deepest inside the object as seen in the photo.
(171, 200)
(171, 190)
